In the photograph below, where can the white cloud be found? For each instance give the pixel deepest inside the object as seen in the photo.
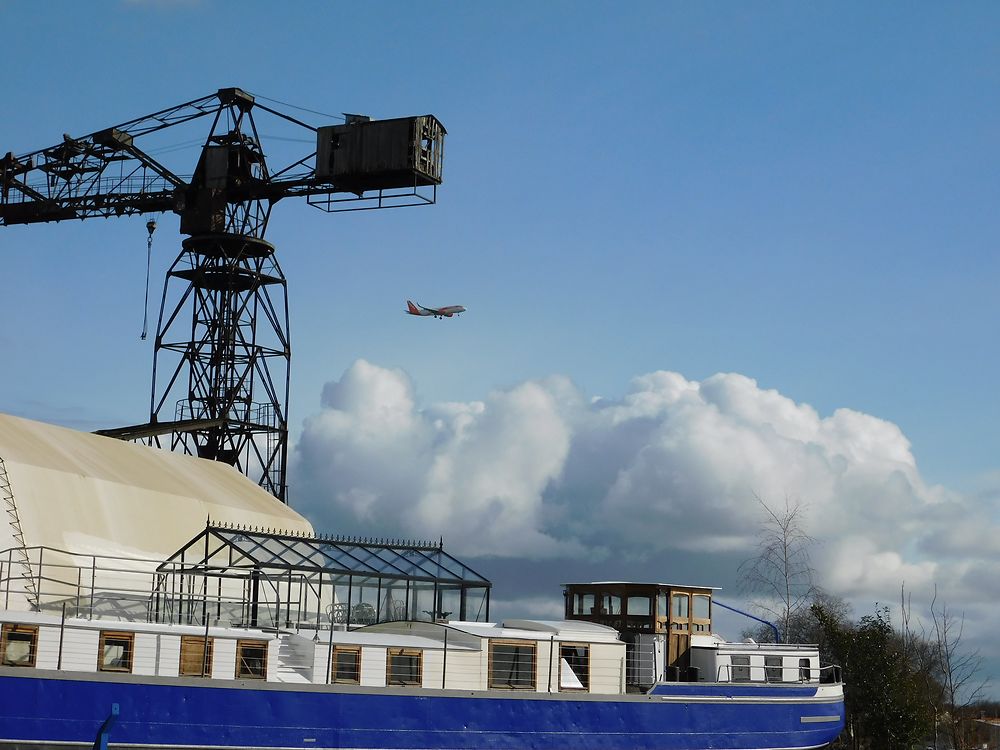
(540, 470)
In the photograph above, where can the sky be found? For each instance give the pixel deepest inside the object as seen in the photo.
(710, 252)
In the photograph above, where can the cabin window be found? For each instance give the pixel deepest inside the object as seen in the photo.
(584, 604)
(196, 658)
(772, 668)
(345, 665)
(639, 605)
(611, 604)
(404, 666)
(574, 666)
(662, 608)
(804, 672)
(251, 660)
(18, 645)
(740, 668)
(115, 651)
(512, 665)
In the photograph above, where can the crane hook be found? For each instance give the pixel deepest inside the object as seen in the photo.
(150, 227)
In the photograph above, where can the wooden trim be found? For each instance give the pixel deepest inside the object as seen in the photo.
(118, 635)
(204, 661)
(533, 645)
(356, 650)
(30, 630)
(251, 643)
(391, 652)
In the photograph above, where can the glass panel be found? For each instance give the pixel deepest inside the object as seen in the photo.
(804, 672)
(740, 668)
(251, 660)
(404, 667)
(116, 652)
(702, 607)
(584, 604)
(611, 604)
(346, 665)
(662, 608)
(19, 642)
(639, 605)
(512, 665)
(772, 668)
(680, 608)
(574, 667)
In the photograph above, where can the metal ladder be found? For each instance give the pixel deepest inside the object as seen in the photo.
(7, 498)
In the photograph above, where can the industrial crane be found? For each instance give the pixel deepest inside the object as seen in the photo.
(221, 354)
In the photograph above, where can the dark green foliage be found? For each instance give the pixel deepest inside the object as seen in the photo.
(888, 702)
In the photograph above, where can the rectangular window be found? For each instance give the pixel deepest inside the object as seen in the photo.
(584, 604)
(574, 666)
(115, 651)
(404, 666)
(772, 668)
(196, 659)
(740, 668)
(346, 665)
(18, 645)
(251, 660)
(805, 673)
(611, 604)
(638, 605)
(512, 665)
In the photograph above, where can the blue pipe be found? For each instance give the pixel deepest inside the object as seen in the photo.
(777, 635)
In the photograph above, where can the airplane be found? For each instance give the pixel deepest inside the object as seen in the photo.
(437, 312)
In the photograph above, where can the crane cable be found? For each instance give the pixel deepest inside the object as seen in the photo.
(150, 227)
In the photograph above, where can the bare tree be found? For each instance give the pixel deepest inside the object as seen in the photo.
(958, 670)
(779, 578)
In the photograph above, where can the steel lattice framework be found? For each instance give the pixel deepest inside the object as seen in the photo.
(222, 351)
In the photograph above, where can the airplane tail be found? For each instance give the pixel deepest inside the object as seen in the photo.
(411, 308)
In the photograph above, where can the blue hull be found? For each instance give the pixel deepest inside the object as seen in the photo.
(55, 710)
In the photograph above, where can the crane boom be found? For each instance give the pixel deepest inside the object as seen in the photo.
(222, 353)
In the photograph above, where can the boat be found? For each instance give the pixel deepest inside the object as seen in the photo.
(154, 600)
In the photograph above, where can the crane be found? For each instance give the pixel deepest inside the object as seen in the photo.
(221, 354)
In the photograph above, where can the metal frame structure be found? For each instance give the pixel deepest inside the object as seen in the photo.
(222, 351)
(267, 578)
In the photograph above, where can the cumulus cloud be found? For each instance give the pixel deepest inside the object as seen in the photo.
(540, 470)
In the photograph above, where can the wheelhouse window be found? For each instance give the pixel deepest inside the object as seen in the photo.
(115, 651)
(196, 656)
(512, 665)
(404, 666)
(639, 605)
(345, 665)
(251, 660)
(574, 666)
(740, 670)
(18, 645)
(584, 604)
(611, 604)
(701, 615)
(772, 668)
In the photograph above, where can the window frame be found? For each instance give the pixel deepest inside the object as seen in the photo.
(338, 650)
(805, 670)
(251, 643)
(735, 676)
(491, 683)
(122, 635)
(400, 651)
(586, 682)
(772, 668)
(18, 629)
(203, 645)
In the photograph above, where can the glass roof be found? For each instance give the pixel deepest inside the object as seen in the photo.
(269, 551)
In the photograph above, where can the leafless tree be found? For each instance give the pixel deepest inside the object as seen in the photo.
(958, 670)
(779, 578)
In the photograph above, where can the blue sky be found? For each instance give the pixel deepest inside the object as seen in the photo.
(801, 194)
